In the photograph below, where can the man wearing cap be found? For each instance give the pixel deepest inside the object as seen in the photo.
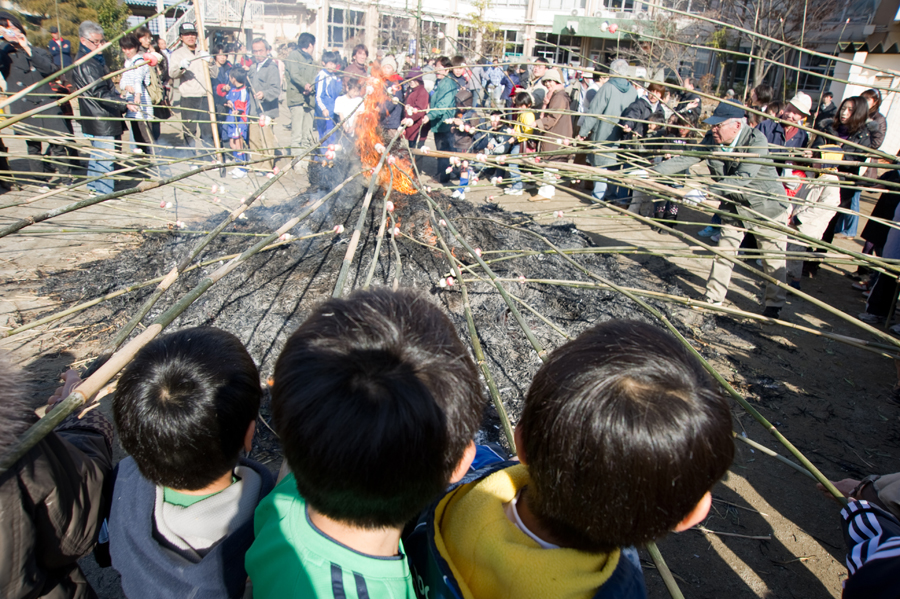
(556, 128)
(746, 188)
(536, 86)
(795, 112)
(601, 123)
(186, 71)
(59, 49)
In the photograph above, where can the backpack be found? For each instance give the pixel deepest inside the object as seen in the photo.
(154, 88)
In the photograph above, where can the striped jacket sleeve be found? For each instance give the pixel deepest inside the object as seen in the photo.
(873, 557)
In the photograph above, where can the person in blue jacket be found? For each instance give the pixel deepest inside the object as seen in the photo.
(622, 437)
(60, 49)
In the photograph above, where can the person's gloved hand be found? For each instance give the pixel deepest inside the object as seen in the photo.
(694, 197)
(185, 64)
(204, 55)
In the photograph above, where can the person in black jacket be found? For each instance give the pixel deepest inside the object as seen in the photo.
(636, 114)
(22, 65)
(689, 104)
(827, 110)
(99, 102)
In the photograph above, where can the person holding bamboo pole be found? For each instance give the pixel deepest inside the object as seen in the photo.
(744, 186)
(186, 70)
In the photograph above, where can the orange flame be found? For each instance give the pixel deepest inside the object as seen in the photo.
(369, 135)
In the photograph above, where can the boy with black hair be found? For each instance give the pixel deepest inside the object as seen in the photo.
(182, 511)
(376, 402)
(622, 436)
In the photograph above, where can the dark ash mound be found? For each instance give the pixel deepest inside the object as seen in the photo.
(263, 301)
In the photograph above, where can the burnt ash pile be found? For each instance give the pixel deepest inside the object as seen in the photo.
(264, 300)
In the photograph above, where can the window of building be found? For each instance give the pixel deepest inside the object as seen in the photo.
(346, 27)
(513, 43)
(561, 5)
(393, 33)
(432, 44)
(465, 40)
(558, 49)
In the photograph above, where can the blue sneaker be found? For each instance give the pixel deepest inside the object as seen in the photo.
(708, 231)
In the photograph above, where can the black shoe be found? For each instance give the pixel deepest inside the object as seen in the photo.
(771, 312)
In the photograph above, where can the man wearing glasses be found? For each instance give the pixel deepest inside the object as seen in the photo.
(746, 188)
(101, 107)
(186, 70)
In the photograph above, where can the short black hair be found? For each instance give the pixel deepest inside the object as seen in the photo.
(239, 74)
(765, 93)
(444, 62)
(329, 56)
(142, 31)
(375, 399)
(129, 41)
(183, 405)
(305, 40)
(352, 83)
(623, 432)
(541, 60)
(359, 48)
(523, 99)
(13, 20)
(458, 61)
(828, 95)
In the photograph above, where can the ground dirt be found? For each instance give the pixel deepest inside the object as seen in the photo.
(770, 533)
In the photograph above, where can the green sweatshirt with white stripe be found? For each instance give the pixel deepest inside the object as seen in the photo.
(291, 558)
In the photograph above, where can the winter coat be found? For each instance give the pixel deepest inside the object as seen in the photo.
(609, 102)
(60, 50)
(392, 113)
(443, 105)
(877, 126)
(101, 100)
(684, 100)
(486, 537)
(301, 70)
(872, 536)
(52, 505)
(355, 71)
(143, 537)
(860, 137)
(640, 110)
(416, 99)
(745, 183)
(815, 205)
(773, 132)
(265, 77)
(876, 233)
(21, 71)
(825, 114)
(190, 81)
(219, 77)
(556, 126)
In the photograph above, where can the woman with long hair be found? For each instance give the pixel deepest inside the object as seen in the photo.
(850, 126)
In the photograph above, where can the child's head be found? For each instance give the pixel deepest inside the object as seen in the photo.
(761, 95)
(654, 122)
(238, 77)
(354, 89)
(376, 402)
(774, 109)
(186, 405)
(330, 60)
(496, 119)
(523, 100)
(459, 66)
(624, 435)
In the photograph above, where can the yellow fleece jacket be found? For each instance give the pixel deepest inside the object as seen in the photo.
(524, 126)
(492, 559)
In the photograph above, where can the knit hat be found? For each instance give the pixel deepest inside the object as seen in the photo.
(389, 61)
(414, 73)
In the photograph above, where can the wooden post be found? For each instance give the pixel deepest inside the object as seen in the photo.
(201, 42)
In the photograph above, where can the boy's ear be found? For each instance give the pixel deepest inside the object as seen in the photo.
(463, 466)
(248, 436)
(697, 514)
(520, 446)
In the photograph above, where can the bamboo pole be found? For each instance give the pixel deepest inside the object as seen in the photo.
(87, 389)
(207, 81)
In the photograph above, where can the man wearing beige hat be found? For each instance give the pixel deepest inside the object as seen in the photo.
(795, 112)
(556, 128)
